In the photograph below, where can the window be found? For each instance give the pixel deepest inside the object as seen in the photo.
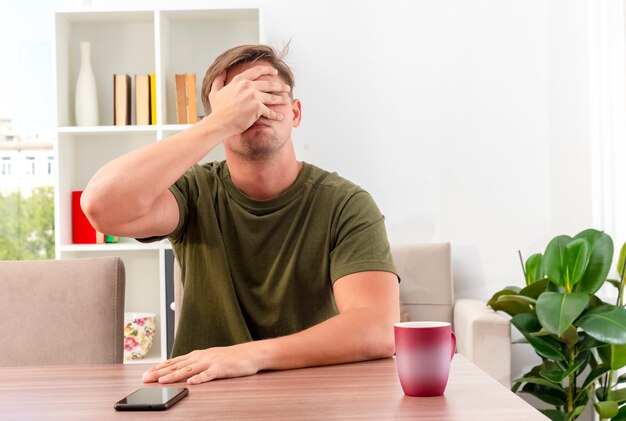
(5, 165)
(29, 165)
(50, 165)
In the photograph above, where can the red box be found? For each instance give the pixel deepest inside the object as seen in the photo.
(82, 231)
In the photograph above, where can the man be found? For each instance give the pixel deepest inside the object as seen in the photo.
(284, 265)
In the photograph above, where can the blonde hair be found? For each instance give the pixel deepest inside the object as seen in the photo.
(245, 54)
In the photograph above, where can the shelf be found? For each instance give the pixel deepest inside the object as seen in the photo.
(134, 246)
(106, 130)
(176, 127)
(164, 41)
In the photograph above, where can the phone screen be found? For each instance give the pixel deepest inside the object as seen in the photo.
(151, 399)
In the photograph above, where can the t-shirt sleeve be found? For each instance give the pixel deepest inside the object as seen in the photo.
(361, 239)
(181, 192)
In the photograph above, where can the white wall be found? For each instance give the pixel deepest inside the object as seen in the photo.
(466, 120)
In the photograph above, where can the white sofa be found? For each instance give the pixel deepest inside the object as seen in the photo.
(427, 293)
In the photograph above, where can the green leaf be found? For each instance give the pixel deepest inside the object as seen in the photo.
(535, 289)
(517, 298)
(577, 253)
(613, 355)
(553, 414)
(618, 395)
(570, 336)
(589, 342)
(594, 375)
(547, 394)
(577, 411)
(546, 347)
(581, 400)
(617, 284)
(606, 409)
(583, 360)
(534, 268)
(621, 414)
(556, 375)
(595, 301)
(537, 380)
(606, 323)
(621, 379)
(601, 256)
(556, 312)
(505, 291)
(554, 259)
(620, 260)
(512, 308)
(553, 376)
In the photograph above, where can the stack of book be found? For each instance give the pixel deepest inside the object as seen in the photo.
(145, 99)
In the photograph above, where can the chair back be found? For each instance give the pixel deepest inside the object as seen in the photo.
(426, 287)
(57, 312)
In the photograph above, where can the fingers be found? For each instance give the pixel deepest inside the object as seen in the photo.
(218, 82)
(165, 368)
(255, 72)
(271, 114)
(270, 86)
(181, 373)
(273, 98)
(205, 376)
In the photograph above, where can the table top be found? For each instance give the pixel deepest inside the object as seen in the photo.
(364, 390)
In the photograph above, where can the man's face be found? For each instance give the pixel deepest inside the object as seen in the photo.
(265, 137)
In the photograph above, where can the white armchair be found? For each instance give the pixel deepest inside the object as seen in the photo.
(427, 293)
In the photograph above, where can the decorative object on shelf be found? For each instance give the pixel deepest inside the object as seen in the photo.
(580, 338)
(121, 100)
(82, 230)
(139, 329)
(142, 99)
(86, 100)
(186, 109)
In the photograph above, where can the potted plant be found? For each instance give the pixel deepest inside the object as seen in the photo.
(580, 338)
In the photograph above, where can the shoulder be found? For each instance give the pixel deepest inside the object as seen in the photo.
(209, 170)
(349, 200)
(331, 182)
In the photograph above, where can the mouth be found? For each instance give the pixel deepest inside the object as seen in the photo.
(258, 125)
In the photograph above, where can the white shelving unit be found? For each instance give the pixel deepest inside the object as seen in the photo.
(163, 41)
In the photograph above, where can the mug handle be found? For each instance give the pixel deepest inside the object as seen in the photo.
(453, 345)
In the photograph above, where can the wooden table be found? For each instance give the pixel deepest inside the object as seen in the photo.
(366, 390)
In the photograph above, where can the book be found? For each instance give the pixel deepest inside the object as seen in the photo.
(153, 119)
(142, 99)
(121, 100)
(186, 101)
(190, 89)
(181, 99)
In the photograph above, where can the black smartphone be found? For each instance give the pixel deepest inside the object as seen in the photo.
(151, 399)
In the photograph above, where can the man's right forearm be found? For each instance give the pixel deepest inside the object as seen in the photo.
(126, 188)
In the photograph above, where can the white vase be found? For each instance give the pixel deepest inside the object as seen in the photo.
(86, 104)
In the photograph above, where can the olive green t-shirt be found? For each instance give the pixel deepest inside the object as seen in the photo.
(262, 269)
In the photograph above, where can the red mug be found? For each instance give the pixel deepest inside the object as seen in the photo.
(424, 351)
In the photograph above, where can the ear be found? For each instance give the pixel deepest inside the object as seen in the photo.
(296, 109)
